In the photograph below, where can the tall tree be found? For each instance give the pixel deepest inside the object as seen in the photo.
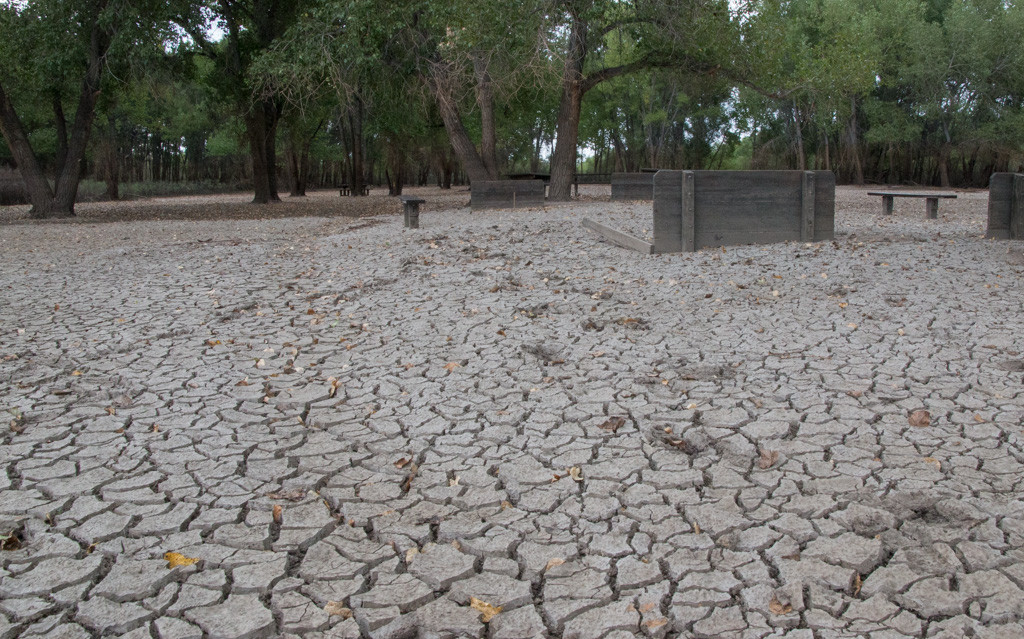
(250, 27)
(49, 47)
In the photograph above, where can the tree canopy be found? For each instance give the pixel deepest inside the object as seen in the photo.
(403, 92)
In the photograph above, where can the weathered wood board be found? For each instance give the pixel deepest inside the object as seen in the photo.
(702, 209)
(507, 194)
(1006, 206)
(632, 186)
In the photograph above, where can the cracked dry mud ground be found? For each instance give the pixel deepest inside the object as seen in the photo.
(600, 443)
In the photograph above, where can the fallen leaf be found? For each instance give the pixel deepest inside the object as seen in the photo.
(76, 374)
(613, 424)
(453, 482)
(855, 393)
(933, 462)
(776, 607)
(450, 366)
(647, 607)
(156, 428)
(920, 418)
(335, 383)
(175, 559)
(291, 495)
(979, 419)
(856, 585)
(10, 541)
(409, 554)
(506, 504)
(554, 561)
(244, 382)
(696, 528)
(402, 462)
(794, 557)
(574, 472)
(278, 512)
(767, 459)
(486, 610)
(212, 342)
(337, 609)
(655, 623)
(260, 363)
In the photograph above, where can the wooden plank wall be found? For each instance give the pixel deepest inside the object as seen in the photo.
(702, 209)
(1006, 206)
(507, 194)
(632, 186)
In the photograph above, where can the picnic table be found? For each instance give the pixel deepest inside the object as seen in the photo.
(931, 205)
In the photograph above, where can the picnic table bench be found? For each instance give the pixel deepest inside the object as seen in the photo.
(931, 200)
(411, 210)
(346, 190)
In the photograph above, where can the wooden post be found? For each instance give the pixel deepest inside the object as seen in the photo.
(887, 204)
(931, 207)
(807, 208)
(668, 235)
(688, 220)
(1017, 208)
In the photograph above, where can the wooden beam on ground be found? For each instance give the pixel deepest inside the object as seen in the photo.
(624, 240)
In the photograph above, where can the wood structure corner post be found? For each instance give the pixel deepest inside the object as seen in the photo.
(807, 207)
(687, 210)
(1017, 208)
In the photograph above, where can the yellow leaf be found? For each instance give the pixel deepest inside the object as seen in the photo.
(486, 610)
(776, 607)
(175, 559)
(574, 472)
(409, 554)
(450, 366)
(554, 561)
(76, 374)
(337, 609)
(278, 513)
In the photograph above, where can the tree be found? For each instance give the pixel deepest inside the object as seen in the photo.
(49, 46)
(250, 27)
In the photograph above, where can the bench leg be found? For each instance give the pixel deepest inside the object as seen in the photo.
(887, 204)
(932, 208)
(412, 216)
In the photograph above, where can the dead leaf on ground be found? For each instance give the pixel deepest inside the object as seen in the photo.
(855, 393)
(554, 561)
(244, 382)
(856, 585)
(655, 623)
(574, 472)
(934, 462)
(278, 513)
(454, 481)
(337, 609)
(776, 607)
(613, 424)
(450, 366)
(649, 606)
(409, 554)
(402, 462)
(486, 610)
(335, 383)
(10, 541)
(920, 418)
(290, 495)
(767, 459)
(175, 559)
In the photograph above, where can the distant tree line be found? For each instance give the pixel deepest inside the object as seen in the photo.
(278, 96)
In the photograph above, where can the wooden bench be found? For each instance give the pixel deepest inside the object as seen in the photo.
(931, 200)
(411, 210)
(345, 190)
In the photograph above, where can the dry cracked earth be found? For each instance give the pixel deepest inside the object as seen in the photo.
(500, 426)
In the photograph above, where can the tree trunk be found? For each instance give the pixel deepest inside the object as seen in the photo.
(111, 161)
(485, 98)
(567, 127)
(261, 130)
(472, 163)
(357, 171)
